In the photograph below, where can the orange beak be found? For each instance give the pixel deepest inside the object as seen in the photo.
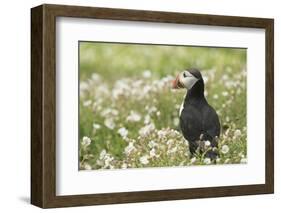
(176, 84)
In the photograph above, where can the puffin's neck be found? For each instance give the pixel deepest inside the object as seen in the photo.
(196, 94)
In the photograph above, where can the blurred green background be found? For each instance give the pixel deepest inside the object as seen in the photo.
(126, 60)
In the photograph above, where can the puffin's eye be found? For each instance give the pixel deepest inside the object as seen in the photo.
(184, 75)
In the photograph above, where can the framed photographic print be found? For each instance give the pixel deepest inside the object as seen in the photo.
(136, 106)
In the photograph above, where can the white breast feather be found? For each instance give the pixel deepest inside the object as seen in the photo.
(181, 108)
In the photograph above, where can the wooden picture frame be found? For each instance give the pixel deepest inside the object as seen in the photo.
(43, 105)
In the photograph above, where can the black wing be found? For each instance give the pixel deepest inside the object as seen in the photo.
(211, 123)
(191, 123)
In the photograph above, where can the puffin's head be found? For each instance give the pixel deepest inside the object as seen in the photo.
(187, 79)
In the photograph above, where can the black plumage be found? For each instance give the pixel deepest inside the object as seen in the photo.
(198, 120)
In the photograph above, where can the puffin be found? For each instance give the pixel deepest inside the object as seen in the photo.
(199, 122)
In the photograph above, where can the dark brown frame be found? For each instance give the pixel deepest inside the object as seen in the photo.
(43, 105)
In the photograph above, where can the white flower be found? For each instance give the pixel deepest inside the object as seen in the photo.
(193, 160)
(83, 86)
(86, 141)
(158, 113)
(224, 149)
(96, 77)
(109, 111)
(102, 154)
(169, 142)
(124, 166)
(121, 88)
(123, 132)
(225, 77)
(152, 144)
(162, 133)
(87, 103)
(237, 133)
(134, 117)
(107, 160)
(151, 109)
(173, 150)
(207, 161)
(87, 166)
(109, 123)
(147, 119)
(146, 89)
(114, 112)
(218, 160)
(144, 160)
(241, 155)
(243, 160)
(152, 153)
(147, 129)
(129, 148)
(207, 143)
(215, 96)
(176, 121)
(225, 94)
(146, 74)
(96, 126)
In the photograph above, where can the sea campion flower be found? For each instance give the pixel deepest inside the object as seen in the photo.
(109, 123)
(124, 166)
(87, 166)
(225, 93)
(147, 129)
(86, 141)
(152, 153)
(207, 161)
(193, 160)
(147, 119)
(227, 161)
(129, 148)
(207, 143)
(123, 132)
(144, 160)
(146, 74)
(176, 121)
(134, 117)
(87, 103)
(152, 144)
(109, 112)
(96, 126)
(151, 109)
(161, 133)
(102, 154)
(224, 149)
(83, 87)
(243, 160)
(107, 161)
(237, 133)
(96, 77)
(169, 142)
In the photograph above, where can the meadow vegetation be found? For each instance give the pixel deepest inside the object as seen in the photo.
(129, 115)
